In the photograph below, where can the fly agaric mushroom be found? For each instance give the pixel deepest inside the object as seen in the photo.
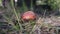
(29, 15)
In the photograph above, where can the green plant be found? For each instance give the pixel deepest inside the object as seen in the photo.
(54, 4)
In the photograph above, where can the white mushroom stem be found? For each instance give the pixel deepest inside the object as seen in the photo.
(15, 0)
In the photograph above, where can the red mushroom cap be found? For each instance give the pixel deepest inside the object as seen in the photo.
(29, 15)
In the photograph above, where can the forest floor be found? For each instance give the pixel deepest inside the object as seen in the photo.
(53, 20)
